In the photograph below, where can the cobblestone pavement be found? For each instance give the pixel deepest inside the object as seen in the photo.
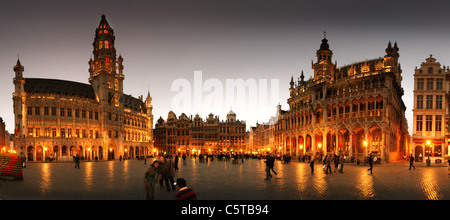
(220, 180)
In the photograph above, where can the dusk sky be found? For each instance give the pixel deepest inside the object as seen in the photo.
(167, 40)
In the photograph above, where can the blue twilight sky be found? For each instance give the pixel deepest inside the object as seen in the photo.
(164, 41)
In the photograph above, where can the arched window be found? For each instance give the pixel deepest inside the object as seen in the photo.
(430, 69)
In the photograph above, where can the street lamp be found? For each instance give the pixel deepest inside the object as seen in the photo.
(365, 151)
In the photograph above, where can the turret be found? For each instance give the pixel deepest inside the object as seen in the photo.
(19, 99)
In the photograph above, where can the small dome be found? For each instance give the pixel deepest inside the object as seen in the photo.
(324, 45)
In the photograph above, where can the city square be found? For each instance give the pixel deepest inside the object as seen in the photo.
(224, 180)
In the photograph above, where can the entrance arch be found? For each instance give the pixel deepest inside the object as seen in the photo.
(39, 153)
(418, 153)
(30, 153)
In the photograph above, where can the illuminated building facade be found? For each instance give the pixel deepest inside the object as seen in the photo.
(58, 119)
(431, 136)
(195, 135)
(355, 110)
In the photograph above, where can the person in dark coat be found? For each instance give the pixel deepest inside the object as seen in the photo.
(370, 164)
(77, 161)
(311, 164)
(411, 162)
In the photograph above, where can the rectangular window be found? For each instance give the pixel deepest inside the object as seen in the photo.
(429, 101)
(438, 102)
(45, 110)
(83, 113)
(90, 115)
(47, 132)
(53, 132)
(77, 113)
(438, 123)
(96, 115)
(419, 102)
(38, 132)
(439, 84)
(420, 84)
(61, 112)
(428, 122)
(37, 111)
(53, 111)
(69, 112)
(419, 122)
(430, 84)
(29, 111)
(63, 132)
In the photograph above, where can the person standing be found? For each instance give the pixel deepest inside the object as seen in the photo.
(176, 162)
(328, 163)
(184, 192)
(311, 164)
(341, 164)
(150, 180)
(411, 162)
(184, 159)
(370, 164)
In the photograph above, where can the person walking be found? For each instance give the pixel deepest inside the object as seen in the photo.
(411, 162)
(311, 164)
(150, 180)
(77, 161)
(184, 192)
(272, 163)
(269, 165)
(370, 164)
(184, 159)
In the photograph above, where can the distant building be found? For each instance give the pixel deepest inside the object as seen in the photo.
(431, 112)
(354, 110)
(195, 135)
(57, 119)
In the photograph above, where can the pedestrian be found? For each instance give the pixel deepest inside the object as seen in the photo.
(184, 192)
(120, 158)
(171, 175)
(268, 166)
(370, 164)
(77, 161)
(411, 162)
(328, 163)
(150, 180)
(311, 164)
(272, 163)
(341, 164)
(184, 159)
(176, 162)
(164, 168)
(428, 161)
(24, 161)
(336, 162)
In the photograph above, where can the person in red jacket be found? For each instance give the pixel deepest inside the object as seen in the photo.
(184, 193)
